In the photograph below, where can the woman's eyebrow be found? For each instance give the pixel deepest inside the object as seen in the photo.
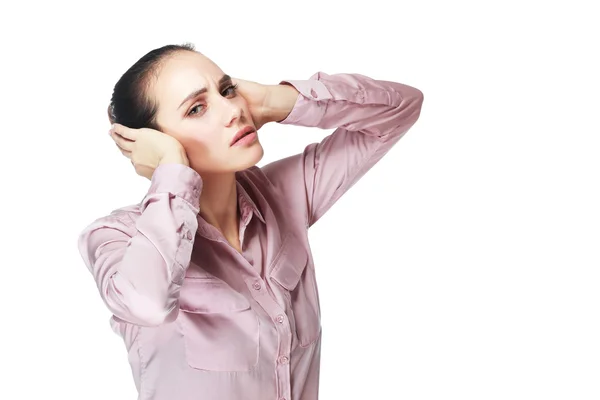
(225, 79)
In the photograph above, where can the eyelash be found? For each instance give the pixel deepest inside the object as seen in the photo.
(232, 87)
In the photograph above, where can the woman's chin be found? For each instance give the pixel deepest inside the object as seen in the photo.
(252, 156)
(230, 163)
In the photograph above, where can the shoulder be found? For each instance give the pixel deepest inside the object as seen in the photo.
(255, 177)
(282, 193)
(289, 170)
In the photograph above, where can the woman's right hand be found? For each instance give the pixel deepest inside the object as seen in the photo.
(147, 148)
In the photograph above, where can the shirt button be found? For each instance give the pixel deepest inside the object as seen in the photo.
(360, 97)
(256, 285)
(313, 93)
(189, 235)
(280, 319)
(283, 360)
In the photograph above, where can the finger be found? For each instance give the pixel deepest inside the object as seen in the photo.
(124, 131)
(126, 153)
(123, 143)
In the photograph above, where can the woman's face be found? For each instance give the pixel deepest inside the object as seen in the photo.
(198, 106)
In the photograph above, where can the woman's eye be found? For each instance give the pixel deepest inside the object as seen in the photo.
(230, 90)
(195, 110)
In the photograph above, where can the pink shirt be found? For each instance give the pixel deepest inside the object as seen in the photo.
(199, 319)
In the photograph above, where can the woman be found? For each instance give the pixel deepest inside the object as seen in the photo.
(210, 278)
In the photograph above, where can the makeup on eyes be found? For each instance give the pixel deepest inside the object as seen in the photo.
(225, 81)
(227, 85)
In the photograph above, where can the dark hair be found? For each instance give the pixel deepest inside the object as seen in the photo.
(130, 105)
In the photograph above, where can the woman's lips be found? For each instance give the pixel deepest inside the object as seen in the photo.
(246, 139)
(243, 135)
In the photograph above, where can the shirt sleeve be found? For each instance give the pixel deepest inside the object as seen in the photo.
(138, 255)
(369, 115)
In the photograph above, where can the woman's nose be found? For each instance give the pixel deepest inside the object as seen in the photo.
(233, 112)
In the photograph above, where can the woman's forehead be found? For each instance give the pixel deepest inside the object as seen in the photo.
(184, 72)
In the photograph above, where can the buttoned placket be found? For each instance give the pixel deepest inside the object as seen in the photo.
(257, 287)
(259, 292)
(277, 315)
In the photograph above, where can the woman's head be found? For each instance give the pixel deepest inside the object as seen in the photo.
(182, 93)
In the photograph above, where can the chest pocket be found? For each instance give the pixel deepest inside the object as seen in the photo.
(292, 272)
(220, 329)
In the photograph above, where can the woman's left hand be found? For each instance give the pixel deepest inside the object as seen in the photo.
(267, 103)
(257, 96)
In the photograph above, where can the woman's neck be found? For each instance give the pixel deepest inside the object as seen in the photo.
(219, 204)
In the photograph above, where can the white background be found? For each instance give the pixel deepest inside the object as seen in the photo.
(465, 265)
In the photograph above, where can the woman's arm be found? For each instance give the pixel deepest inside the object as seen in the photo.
(370, 116)
(138, 256)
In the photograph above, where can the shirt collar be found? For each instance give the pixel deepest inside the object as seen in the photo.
(247, 206)
(247, 209)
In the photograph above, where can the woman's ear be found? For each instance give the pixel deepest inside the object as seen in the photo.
(111, 115)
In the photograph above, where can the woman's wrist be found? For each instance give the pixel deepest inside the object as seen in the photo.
(280, 102)
(175, 156)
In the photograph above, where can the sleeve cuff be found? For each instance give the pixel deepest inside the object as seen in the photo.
(311, 103)
(178, 180)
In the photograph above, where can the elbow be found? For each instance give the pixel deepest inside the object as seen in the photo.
(146, 316)
(410, 109)
(415, 101)
(156, 318)
(419, 99)
(139, 309)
